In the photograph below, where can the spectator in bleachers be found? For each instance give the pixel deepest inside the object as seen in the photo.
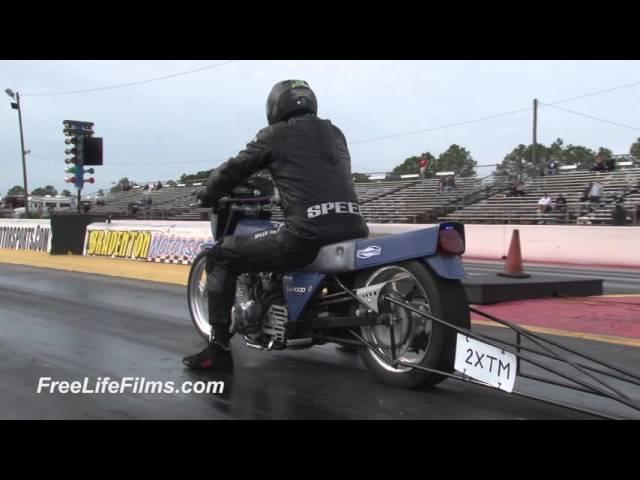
(441, 183)
(561, 204)
(596, 192)
(424, 164)
(448, 184)
(158, 185)
(600, 165)
(133, 209)
(585, 192)
(619, 214)
(635, 217)
(545, 204)
(552, 167)
(517, 188)
(146, 196)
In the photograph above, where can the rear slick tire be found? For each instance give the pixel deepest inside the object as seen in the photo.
(442, 298)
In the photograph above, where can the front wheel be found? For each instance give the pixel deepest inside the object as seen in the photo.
(197, 295)
(419, 341)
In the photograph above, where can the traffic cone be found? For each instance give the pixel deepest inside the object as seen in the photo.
(513, 268)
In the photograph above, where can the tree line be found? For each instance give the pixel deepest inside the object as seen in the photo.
(518, 162)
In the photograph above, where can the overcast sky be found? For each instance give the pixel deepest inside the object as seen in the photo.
(161, 129)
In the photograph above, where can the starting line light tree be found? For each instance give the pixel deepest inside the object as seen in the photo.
(84, 150)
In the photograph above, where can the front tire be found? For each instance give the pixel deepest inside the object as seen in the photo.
(197, 297)
(420, 341)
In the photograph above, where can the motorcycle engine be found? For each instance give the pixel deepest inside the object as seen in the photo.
(246, 312)
(260, 312)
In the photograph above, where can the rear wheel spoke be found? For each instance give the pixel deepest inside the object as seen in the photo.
(406, 325)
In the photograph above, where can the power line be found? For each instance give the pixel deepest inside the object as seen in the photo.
(596, 93)
(130, 83)
(591, 117)
(168, 163)
(358, 142)
(492, 116)
(150, 164)
(440, 127)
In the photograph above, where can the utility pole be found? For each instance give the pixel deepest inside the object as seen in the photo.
(535, 129)
(16, 106)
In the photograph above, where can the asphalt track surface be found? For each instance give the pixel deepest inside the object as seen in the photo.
(72, 326)
(616, 281)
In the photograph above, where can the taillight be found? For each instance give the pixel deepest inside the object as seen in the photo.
(450, 240)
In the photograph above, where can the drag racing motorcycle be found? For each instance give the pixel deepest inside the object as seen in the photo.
(373, 294)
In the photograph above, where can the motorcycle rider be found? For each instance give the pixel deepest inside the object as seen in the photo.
(309, 162)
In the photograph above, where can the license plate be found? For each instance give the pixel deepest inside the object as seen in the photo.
(485, 363)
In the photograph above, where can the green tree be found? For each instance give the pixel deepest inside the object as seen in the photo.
(65, 193)
(554, 151)
(635, 149)
(579, 155)
(119, 186)
(360, 177)
(604, 153)
(47, 190)
(456, 159)
(172, 183)
(195, 176)
(15, 191)
(100, 193)
(519, 162)
(411, 165)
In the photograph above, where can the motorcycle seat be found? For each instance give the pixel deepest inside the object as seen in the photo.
(334, 258)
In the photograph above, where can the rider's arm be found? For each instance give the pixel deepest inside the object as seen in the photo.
(256, 156)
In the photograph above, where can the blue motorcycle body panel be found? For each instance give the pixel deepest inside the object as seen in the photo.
(372, 252)
(245, 227)
(299, 287)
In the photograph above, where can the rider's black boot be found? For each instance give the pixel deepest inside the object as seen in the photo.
(214, 358)
(217, 356)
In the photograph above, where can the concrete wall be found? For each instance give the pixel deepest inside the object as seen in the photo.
(580, 245)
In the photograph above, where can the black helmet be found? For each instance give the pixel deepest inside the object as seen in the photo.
(289, 99)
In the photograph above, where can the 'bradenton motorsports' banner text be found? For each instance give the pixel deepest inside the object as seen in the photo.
(153, 243)
(34, 235)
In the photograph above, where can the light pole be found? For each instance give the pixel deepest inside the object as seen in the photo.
(16, 106)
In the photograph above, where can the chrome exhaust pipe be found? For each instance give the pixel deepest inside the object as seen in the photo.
(299, 342)
(251, 344)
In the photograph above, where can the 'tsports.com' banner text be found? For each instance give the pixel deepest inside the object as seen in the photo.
(34, 235)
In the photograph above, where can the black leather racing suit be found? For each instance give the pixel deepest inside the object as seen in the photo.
(309, 162)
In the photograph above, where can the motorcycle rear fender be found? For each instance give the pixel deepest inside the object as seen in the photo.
(415, 244)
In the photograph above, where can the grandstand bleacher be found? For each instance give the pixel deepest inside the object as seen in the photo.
(502, 208)
(474, 200)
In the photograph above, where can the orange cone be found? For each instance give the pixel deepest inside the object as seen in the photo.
(513, 268)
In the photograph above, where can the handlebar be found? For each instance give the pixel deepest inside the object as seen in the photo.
(224, 201)
(249, 207)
